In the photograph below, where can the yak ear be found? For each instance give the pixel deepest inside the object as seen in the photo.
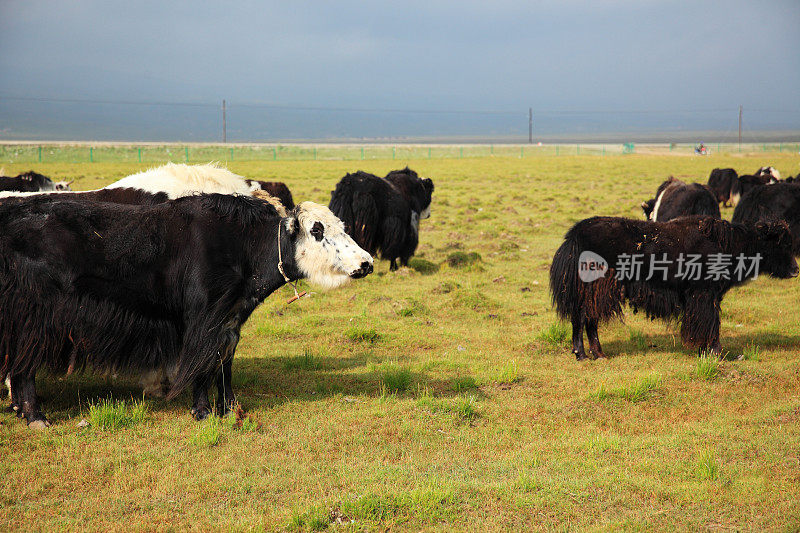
(427, 183)
(291, 225)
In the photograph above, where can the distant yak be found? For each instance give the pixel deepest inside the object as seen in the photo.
(675, 198)
(383, 214)
(685, 268)
(32, 182)
(778, 201)
(722, 181)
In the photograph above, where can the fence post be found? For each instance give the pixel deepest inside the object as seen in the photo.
(91, 155)
(315, 153)
(577, 149)
(429, 152)
(40, 154)
(393, 151)
(604, 149)
(461, 154)
(140, 155)
(231, 154)
(362, 153)
(491, 149)
(186, 153)
(521, 152)
(274, 153)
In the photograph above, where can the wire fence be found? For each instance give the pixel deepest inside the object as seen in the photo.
(201, 153)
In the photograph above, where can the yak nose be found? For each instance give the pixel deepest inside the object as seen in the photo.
(365, 269)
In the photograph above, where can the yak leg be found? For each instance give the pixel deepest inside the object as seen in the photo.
(393, 265)
(577, 337)
(201, 406)
(23, 388)
(594, 339)
(700, 326)
(14, 406)
(225, 397)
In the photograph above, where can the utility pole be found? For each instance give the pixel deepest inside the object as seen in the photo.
(740, 128)
(224, 124)
(530, 125)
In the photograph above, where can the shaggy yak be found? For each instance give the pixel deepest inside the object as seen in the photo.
(32, 182)
(383, 214)
(278, 189)
(682, 275)
(132, 288)
(675, 198)
(779, 201)
(164, 182)
(722, 182)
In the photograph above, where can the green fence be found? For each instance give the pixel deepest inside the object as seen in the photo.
(131, 153)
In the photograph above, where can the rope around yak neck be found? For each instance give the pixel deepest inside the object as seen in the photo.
(283, 273)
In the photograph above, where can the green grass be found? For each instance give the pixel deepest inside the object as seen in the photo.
(638, 391)
(556, 333)
(443, 399)
(110, 415)
(707, 367)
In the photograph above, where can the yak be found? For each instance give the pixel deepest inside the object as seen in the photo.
(722, 182)
(32, 182)
(383, 214)
(779, 201)
(133, 288)
(278, 189)
(685, 267)
(674, 198)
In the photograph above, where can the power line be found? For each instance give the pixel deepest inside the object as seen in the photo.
(551, 112)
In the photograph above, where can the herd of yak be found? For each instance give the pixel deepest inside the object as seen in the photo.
(679, 263)
(155, 274)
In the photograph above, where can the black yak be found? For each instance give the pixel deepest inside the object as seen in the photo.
(747, 183)
(685, 267)
(675, 198)
(32, 182)
(722, 182)
(278, 189)
(132, 288)
(779, 201)
(383, 214)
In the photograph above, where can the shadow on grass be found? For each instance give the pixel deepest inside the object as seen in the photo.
(258, 383)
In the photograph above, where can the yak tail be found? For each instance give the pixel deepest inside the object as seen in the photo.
(565, 287)
(359, 214)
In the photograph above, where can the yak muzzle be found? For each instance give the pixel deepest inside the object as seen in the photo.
(366, 268)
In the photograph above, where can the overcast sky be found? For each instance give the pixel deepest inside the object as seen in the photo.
(501, 55)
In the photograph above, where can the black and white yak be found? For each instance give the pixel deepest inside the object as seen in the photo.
(169, 181)
(675, 198)
(779, 201)
(32, 182)
(383, 214)
(592, 274)
(138, 288)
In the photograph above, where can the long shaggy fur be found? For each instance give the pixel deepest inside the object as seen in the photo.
(182, 180)
(382, 214)
(694, 303)
(779, 201)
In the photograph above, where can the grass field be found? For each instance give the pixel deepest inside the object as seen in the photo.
(443, 397)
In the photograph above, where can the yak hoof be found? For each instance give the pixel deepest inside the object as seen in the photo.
(200, 413)
(39, 424)
(580, 356)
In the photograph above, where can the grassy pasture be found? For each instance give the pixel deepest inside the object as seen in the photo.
(444, 398)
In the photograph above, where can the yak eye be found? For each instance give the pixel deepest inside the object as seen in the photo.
(317, 230)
